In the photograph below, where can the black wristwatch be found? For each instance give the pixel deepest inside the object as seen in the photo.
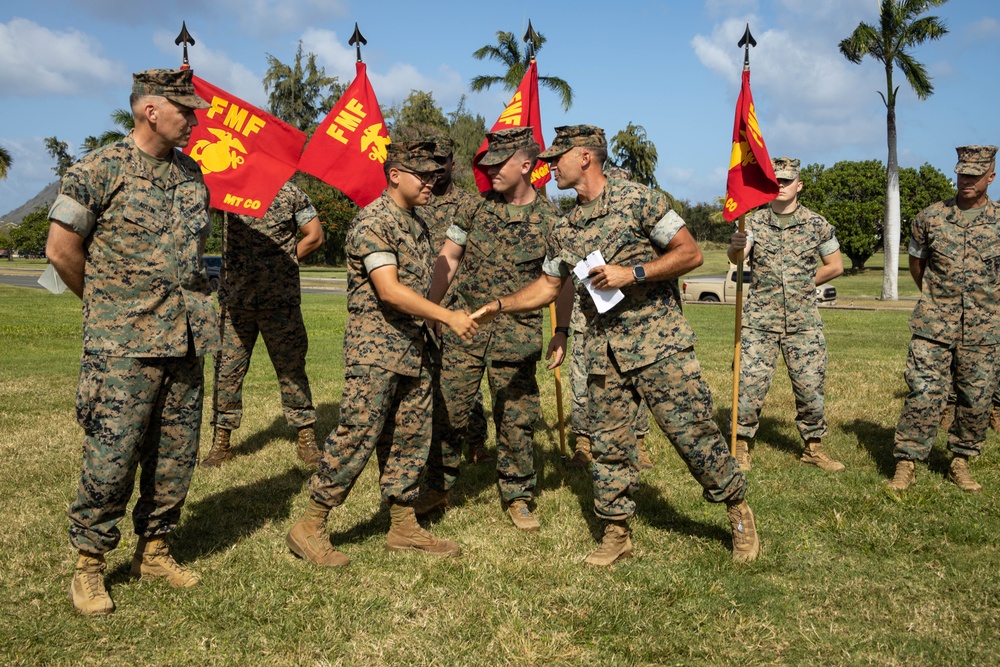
(639, 272)
(563, 330)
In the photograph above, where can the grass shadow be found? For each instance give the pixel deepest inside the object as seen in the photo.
(877, 441)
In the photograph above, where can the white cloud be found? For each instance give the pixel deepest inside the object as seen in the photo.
(270, 16)
(36, 61)
(985, 28)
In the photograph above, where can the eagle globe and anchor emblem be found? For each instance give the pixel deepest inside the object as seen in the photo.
(220, 155)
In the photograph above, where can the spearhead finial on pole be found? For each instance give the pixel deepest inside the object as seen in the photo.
(356, 40)
(746, 42)
(531, 38)
(184, 38)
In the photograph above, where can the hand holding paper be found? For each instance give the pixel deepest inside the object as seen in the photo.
(604, 299)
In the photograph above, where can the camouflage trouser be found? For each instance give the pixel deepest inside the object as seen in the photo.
(681, 404)
(952, 398)
(932, 368)
(515, 409)
(382, 412)
(136, 413)
(804, 353)
(578, 379)
(284, 334)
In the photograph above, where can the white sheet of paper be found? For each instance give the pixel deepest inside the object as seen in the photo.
(604, 299)
(51, 281)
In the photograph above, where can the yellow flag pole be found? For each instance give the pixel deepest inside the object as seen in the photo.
(736, 346)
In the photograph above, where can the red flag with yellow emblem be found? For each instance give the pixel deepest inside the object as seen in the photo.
(348, 149)
(751, 177)
(521, 111)
(245, 154)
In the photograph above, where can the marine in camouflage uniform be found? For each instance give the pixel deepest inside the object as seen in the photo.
(955, 260)
(260, 295)
(126, 236)
(641, 347)
(501, 250)
(452, 205)
(793, 250)
(386, 403)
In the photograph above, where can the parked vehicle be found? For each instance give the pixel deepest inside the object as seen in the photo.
(722, 288)
(213, 268)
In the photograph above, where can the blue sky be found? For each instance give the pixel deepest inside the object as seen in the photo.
(672, 67)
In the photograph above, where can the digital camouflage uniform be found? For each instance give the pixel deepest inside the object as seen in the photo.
(457, 206)
(148, 321)
(260, 294)
(503, 252)
(640, 349)
(386, 404)
(780, 314)
(955, 329)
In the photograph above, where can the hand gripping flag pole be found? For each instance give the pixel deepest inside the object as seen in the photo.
(751, 182)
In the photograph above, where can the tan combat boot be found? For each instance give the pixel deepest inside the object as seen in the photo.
(87, 590)
(958, 473)
(308, 451)
(947, 417)
(152, 560)
(405, 534)
(521, 516)
(430, 500)
(743, 458)
(905, 476)
(995, 418)
(746, 544)
(308, 539)
(815, 455)
(221, 451)
(581, 457)
(615, 546)
(645, 463)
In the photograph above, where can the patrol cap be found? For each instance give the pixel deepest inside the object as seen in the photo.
(174, 84)
(444, 147)
(416, 156)
(504, 143)
(975, 160)
(785, 168)
(571, 136)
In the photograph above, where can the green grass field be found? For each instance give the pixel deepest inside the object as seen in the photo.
(849, 574)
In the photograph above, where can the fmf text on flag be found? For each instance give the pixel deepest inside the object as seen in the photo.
(751, 177)
(245, 154)
(348, 149)
(521, 111)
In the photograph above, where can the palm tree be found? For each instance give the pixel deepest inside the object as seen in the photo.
(508, 52)
(6, 162)
(124, 124)
(900, 28)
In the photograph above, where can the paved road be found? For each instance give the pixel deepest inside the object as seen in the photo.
(29, 278)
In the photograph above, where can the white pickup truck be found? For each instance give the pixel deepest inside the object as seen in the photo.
(721, 288)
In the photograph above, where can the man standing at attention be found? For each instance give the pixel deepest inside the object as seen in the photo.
(260, 294)
(501, 250)
(955, 261)
(386, 405)
(641, 347)
(128, 229)
(791, 251)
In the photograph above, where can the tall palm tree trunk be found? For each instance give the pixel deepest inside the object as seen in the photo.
(890, 240)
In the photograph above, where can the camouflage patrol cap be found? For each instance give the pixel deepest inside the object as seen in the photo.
(444, 147)
(571, 136)
(504, 143)
(416, 156)
(174, 84)
(785, 168)
(975, 160)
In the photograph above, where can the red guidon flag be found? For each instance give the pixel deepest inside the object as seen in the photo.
(522, 111)
(348, 150)
(245, 154)
(751, 177)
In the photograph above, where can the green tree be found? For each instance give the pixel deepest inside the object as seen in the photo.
(507, 51)
(124, 123)
(421, 111)
(59, 150)
(335, 211)
(918, 189)
(901, 28)
(298, 93)
(29, 237)
(704, 221)
(6, 162)
(631, 149)
(467, 131)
